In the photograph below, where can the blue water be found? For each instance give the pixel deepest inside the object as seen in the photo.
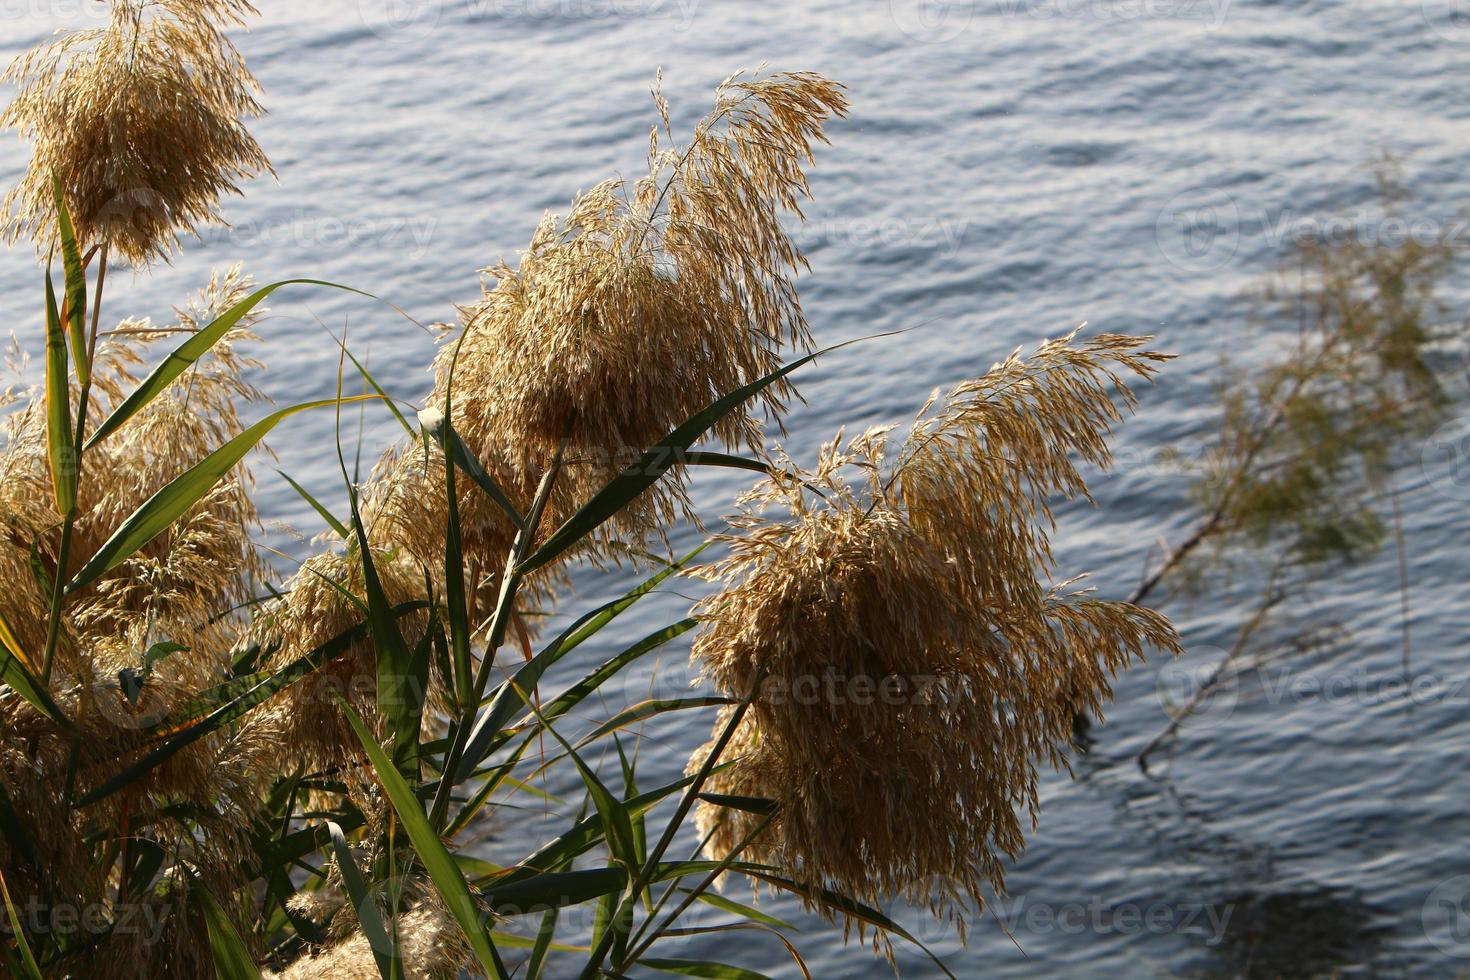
(1009, 170)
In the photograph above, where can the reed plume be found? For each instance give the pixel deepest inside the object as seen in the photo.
(140, 121)
(910, 668)
(648, 301)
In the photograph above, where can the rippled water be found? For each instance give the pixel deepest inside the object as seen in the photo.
(1009, 169)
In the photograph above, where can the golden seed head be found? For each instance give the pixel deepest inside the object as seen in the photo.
(644, 304)
(911, 668)
(141, 121)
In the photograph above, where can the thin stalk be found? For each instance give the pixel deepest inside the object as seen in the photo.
(1242, 638)
(63, 554)
(686, 803)
(509, 586)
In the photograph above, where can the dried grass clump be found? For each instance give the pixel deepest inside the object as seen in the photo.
(646, 303)
(430, 943)
(141, 123)
(200, 805)
(911, 669)
(194, 570)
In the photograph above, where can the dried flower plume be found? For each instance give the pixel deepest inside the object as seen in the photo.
(644, 304)
(141, 121)
(137, 646)
(910, 668)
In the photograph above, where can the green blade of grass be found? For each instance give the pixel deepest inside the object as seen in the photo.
(614, 812)
(439, 430)
(851, 908)
(462, 658)
(447, 878)
(536, 965)
(372, 382)
(744, 911)
(76, 286)
(402, 677)
(704, 968)
(15, 671)
(316, 505)
(651, 709)
(59, 433)
(564, 703)
(27, 958)
(191, 350)
(758, 805)
(584, 688)
(583, 836)
(653, 464)
(703, 457)
(561, 889)
(369, 917)
(232, 959)
(175, 499)
(488, 731)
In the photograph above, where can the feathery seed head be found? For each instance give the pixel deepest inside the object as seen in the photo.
(141, 121)
(910, 668)
(645, 304)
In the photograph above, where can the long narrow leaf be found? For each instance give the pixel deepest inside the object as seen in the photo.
(372, 382)
(834, 902)
(462, 662)
(703, 968)
(59, 432)
(232, 959)
(28, 959)
(653, 464)
(377, 933)
(175, 499)
(76, 286)
(402, 677)
(316, 505)
(536, 965)
(438, 429)
(488, 734)
(651, 709)
(437, 860)
(191, 350)
(15, 671)
(738, 908)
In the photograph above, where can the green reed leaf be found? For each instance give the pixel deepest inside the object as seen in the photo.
(437, 860)
(175, 499)
(59, 433)
(190, 351)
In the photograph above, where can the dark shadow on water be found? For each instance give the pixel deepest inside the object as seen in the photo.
(1311, 932)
